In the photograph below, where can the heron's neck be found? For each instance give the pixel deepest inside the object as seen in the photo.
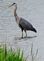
(17, 18)
(15, 14)
(12, 10)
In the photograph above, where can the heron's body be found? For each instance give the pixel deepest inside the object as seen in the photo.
(23, 24)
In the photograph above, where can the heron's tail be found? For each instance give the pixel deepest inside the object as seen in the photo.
(34, 30)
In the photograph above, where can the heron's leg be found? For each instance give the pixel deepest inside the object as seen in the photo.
(22, 34)
(26, 33)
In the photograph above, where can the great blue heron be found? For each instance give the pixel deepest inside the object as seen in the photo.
(23, 24)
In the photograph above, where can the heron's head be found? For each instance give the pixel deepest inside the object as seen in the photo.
(14, 5)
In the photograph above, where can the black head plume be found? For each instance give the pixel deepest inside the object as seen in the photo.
(12, 4)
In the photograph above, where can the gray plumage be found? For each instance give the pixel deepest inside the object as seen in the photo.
(23, 24)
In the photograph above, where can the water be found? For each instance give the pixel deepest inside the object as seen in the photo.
(32, 11)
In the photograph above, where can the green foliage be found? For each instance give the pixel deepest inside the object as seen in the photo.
(11, 55)
(2, 54)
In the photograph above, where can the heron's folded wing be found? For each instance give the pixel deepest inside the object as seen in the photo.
(25, 24)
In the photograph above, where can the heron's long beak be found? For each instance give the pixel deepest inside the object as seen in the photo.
(12, 5)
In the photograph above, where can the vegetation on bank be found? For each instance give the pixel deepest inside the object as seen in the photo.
(12, 55)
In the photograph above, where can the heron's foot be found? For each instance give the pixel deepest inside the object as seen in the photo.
(26, 36)
(21, 37)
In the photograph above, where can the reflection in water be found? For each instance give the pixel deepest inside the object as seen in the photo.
(19, 38)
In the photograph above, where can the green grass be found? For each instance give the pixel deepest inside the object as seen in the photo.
(10, 55)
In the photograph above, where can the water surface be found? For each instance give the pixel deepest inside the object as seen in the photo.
(32, 11)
